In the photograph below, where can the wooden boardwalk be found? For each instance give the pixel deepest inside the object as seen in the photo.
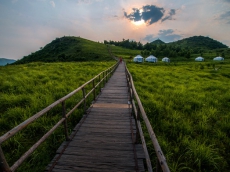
(104, 139)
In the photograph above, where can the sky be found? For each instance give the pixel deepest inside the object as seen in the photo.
(27, 25)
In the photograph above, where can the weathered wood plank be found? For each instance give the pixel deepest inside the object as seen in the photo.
(104, 140)
(110, 105)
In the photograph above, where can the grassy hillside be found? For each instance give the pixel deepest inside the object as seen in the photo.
(123, 52)
(79, 49)
(199, 42)
(186, 49)
(69, 48)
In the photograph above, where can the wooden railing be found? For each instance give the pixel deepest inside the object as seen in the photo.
(139, 113)
(97, 81)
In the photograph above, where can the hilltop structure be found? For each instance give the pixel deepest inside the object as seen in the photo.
(218, 59)
(151, 58)
(138, 59)
(165, 59)
(200, 59)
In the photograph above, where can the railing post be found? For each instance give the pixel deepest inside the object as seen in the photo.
(138, 119)
(104, 78)
(83, 91)
(94, 90)
(4, 167)
(106, 74)
(100, 82)
(158, 166)
(65, 122)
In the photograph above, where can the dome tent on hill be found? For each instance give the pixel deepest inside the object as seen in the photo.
(151, 58)
(165, 59)
(200, 59)
(138, 59)
(218, 58)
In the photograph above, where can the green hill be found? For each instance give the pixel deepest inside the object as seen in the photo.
(69, 48)
(201, 42)
(4, 61)
(158, 41)
(72, 48)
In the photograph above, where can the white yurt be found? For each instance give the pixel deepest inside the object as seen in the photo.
(199, 59)
(218, 58)
(151, 58)
(165, 59)
(138, 58)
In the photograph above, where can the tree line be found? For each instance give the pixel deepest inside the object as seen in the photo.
(152, 48)
(183, 48)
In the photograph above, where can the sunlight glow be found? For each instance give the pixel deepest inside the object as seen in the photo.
(138, 23)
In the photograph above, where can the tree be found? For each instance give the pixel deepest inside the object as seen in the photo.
(188, 55)
(222, 54)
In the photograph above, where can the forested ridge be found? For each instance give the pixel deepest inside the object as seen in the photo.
(70, 48)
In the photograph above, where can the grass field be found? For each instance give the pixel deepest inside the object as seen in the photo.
(27, 89)
(188, 105)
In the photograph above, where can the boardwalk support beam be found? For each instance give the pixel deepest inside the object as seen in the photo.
(3, 164)
(65, 122)
(83, 91)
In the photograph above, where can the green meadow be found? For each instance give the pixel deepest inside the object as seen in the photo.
(188, 105)
(27, 89)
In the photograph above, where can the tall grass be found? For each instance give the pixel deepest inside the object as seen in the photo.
(189, 109)
(27, 89)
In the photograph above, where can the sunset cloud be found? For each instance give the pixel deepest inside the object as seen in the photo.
(165, 35)
(150, 14)
(27, 25)
(225, 16)
(171, 13)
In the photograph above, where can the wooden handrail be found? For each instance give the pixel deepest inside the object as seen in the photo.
(139, 110)
(3, 163)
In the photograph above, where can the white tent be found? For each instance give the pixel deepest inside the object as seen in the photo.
(200, 59)
(165, 59)
(218, 58)
(151, 58)
(138, 58)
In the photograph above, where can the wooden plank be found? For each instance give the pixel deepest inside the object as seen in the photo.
(110, 110)
(92, 160)
(111, 105)
(103, 142)
(112, 100)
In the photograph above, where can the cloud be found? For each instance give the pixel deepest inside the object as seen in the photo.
(135, 15)
(87, 1)
(169, 16)
(150, 14)
(52, 3)
(14, 1)
(225, 16)
(164, 35)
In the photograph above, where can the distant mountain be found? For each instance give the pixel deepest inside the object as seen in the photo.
(4, 61)
(200, 42)
(69, 48)
(158, 41)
